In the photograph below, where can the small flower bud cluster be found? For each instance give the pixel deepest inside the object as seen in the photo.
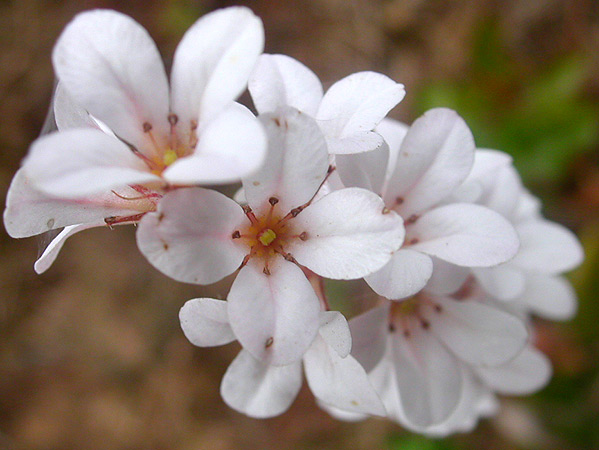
(455, 250)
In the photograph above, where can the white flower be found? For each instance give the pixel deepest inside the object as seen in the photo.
(123, 137)
(347, 114)
(415, 174)
(433, 358)
(531, 280)
(200, 236)
(261, 390)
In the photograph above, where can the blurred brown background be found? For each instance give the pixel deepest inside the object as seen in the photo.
(91, 353)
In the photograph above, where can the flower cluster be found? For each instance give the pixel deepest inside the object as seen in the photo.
(455, 249)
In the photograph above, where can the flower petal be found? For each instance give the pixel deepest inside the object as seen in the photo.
(213, 62)
(29, 212)
(83, 161)
(230, 147)
(365, 170)
(258, 389)
(503, 282)
(275, 317)
(111, 67)
(189, 237)
(477, 333)
(405, 274)
(356, 104)
(428, 377)
(447, 278)
(205, 322)
(279, 81)
(526, 373)
(339, 382)
(369, 336)
(464, 234)
(350, 234)
(69, 114)
(547, 247)
(436, 156)
(551, 297)
(394, 132)
(296, 163)
(51, 252)
(335, 331)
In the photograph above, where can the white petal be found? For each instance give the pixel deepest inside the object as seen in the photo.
(504, 191)
(428, 378)
(82, 162)
(504, 282)
(69, 114)
(447, 278)
(213, 62)
(205, 323)
(360, 141)
(339, 382)
(369, 336)
(394, 133)
(547, 247)
(551, 297)
(335, 331)
(296, 163)
(111, 67)
(51, 252)
(29, 212)
(478, 333)
(350, 234)
(230, 147)
(526, 373)
(405, 274)
(258, 389)
(280, 81)
(189, 237)
(435, 157)
(275, 317)
(365, 170)
(466, 235)
(357, 103)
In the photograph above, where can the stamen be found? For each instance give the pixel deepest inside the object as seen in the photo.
(114, 220)
(250, 215)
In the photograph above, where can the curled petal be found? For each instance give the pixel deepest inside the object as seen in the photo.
(369, 336)
(548, 296)
(365, 170)
(335, 332)
(205, 323)
(504, 282)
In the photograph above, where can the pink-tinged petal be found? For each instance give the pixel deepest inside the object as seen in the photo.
(29, 212)
(258, 389)
(111, 67)
(189, 237)
(296, 163)
(405, 274)
(69, 114)
(503, 282)
(350, 234)
(369, 336)
(339, 382)
(357, 103)
(428, 378)
(393, 132)
(81, 162)
(550, 297)
(547, 247)
(477, 333)
(365, 170)
(279, 81)
(275, 317)
(526, 373)
(447, 278)
(436, 156)
(51, 252)
(464, 234)
(213, 62)
(335, 331)
(230, 147)
(205, 322)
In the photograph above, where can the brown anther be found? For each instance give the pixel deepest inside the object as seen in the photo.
(164, 245)
(425, 324)
(147, 126)
(399, 200)
(413, 241)
(160, 217)
(303, 236)
(246, 209)
(193, 124)
(246, 258)
(273, 201)
(173, 119)
(412, 219)
(295, 211)
(438, 308)
(386, 210)
(236, 234)
(277, 121)
(266, 271)
(330, 169)
(269, 342)
(289, 257)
